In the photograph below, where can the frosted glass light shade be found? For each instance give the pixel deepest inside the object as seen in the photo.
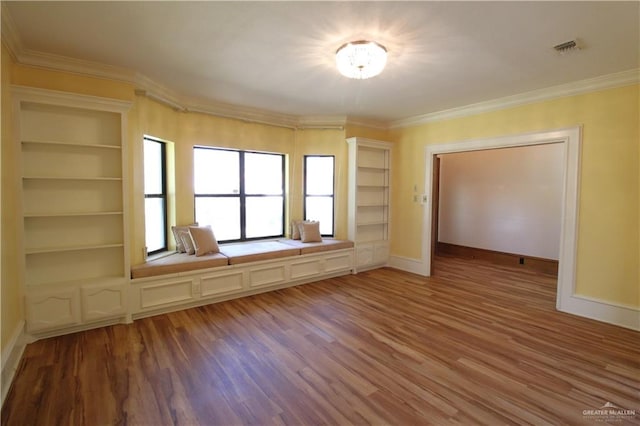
(361, 59)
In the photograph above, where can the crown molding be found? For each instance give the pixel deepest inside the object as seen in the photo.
(336, 122)
(609, 81)
(75, 66)
(153, 90)
(57, 97)
(248, 114)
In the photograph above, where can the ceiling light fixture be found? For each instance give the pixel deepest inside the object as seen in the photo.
(361, 59)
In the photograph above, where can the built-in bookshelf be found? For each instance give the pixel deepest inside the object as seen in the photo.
(369, 200)
(74, 239)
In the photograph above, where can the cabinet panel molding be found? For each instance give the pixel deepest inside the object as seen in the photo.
(53, 309)
(102, 302)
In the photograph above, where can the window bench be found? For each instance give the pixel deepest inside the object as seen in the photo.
(180, 281)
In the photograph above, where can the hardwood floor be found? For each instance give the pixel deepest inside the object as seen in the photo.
(475, 344)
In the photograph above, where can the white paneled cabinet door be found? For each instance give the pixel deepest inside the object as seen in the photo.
(74, 194)
(369, 201)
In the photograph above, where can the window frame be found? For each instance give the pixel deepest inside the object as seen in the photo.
(242, 195)
(163, 195)
(332, 196)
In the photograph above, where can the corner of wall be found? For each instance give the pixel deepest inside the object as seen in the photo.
(11, 356)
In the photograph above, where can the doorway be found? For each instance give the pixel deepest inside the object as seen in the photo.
(570, 139)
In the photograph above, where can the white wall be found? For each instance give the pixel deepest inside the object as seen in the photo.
(507, 200)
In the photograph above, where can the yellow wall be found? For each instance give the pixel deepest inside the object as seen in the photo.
(608, 253)
(353, 130)
(11, 311)
(324, 142)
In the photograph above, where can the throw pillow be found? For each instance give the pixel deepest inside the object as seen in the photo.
(176, 236)
(203, 240)
(295, 229)
(185, 236)
(310, 232)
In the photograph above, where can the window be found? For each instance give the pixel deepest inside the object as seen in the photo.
(319, 192)
(239, 193)
(155, 196)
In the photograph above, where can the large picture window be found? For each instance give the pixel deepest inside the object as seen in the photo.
(239, 193)
(319, 191)
(155, 196)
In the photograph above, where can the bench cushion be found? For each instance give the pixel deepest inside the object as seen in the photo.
(327, 244)
(259, 250)
(178, 262)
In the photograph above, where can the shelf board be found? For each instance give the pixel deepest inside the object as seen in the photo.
(370, 240)
(373, 168)
(373, 186)
(374, 205)
(72, 214)
(71, 144)
(91, 281)
(78, 178)
(374, 223)
(45, 250)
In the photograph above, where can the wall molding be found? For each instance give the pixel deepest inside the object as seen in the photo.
(610, 81)
(547, 266)
(406, 264)
(11, 356)
(602, 310)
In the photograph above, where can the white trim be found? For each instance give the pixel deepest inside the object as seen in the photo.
(571, 140)
(406, 264)
(34, 94)
(73, 65)
(11, 356)
(602, 310)
(609, 81)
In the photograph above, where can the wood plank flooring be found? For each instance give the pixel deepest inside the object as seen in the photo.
(475, 344)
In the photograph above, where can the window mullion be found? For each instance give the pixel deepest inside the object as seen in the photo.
(243, 199)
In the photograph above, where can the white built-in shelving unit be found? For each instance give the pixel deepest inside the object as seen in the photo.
(369, 201)
(74, 195)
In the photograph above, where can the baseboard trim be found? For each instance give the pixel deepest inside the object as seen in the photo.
(407, 264)
(11, 356)
(547, 266)
(603, 311)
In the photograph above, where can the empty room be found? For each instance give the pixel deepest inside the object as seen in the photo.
(305, 213)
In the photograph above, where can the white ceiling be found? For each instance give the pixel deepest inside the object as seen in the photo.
(279, 56)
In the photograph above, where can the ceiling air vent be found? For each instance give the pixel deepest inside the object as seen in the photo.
(567, 46)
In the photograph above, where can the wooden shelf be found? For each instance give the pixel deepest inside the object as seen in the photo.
(109, 280)
(72, 214)
(373, 169)
(72, 144)
(78, 178)
(373, 206)
(71, 248)
(373, 186)
(373, 223)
